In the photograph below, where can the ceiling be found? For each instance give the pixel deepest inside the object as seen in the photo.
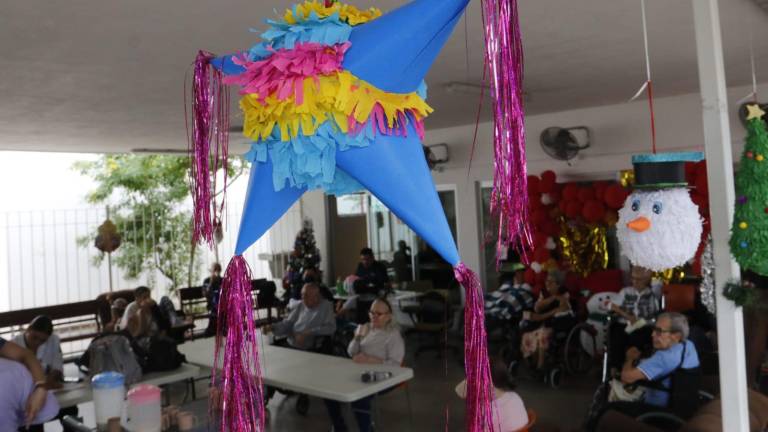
(108, 76)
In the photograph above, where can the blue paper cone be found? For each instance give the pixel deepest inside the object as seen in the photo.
(263, 206)
(395, 51)
(395, 171)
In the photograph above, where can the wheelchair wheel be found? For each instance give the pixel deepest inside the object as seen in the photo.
(578, 358)
(555, 377)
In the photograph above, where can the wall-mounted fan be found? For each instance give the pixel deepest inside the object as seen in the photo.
(562, 143)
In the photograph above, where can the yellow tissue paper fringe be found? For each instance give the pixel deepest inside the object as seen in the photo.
(328, 97)
(352, 15)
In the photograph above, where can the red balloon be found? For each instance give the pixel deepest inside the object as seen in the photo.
(570, 192)
(611, 217)
(551, 228)
(593, 211)
(563, 205)
(541, 255)
(615, 195)
(539, 217)
(573, 210)
(530, 276)
(547, 183)
(572, 281)
(586, 194)
(540, 239)
(554, 195)
(599, 190)
(533, 185)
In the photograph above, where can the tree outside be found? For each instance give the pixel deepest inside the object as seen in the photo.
(749, 233)
(148, 195)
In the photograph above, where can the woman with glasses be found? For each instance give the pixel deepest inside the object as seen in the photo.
(376, 342)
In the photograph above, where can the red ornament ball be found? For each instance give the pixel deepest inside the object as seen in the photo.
(749, 154)
(548, 179)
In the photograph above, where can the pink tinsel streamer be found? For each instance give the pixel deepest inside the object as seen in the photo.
(479, 384)
(210, 134)
(283, 73)
(504, 56)
(240, 384)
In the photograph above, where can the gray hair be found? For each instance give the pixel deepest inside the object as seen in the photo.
(678, 323)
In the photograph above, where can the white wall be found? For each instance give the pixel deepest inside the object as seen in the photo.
(618, 131)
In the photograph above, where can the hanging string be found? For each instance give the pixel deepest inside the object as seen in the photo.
(647, 85)
(753, 94)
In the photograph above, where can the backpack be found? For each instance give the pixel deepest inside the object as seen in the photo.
(163, 355)
(112, 352)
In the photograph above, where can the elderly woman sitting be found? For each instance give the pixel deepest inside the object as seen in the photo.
(377, 342)
(553, 311)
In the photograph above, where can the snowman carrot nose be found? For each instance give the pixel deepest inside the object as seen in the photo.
(640, 224)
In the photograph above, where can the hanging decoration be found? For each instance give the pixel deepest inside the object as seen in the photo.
(585, 248)
(627, 178)
(504, 58)
(107, 237)
(749, 234)
(333, 98)
(659, 226)
(707, 286)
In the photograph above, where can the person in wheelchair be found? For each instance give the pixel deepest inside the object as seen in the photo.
(635, 308)
(552, 316)
(504, 307)
(310, 326)
(670, 377)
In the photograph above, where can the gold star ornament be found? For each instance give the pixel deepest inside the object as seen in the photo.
(754, 112)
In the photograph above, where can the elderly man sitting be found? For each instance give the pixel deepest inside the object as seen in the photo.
(312, 318)
(673, 353)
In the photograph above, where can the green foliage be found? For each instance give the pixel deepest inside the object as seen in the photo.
(743, 294)
(147, 195)
(749, 234)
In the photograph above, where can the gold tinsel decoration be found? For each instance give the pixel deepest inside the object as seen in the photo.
(627, 178)
(585, 247)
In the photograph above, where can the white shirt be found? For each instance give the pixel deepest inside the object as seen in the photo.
(48, 353)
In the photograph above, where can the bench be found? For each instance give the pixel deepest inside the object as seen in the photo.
(193, 300)
(72, 322)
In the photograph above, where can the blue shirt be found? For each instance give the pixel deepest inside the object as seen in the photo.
(663, 363)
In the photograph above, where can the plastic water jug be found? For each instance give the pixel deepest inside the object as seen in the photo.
(144, 409)
(108, 396)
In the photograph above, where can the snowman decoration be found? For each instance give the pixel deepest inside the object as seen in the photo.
(659, 226)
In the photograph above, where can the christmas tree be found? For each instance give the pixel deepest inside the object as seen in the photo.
(749, 234)
(305, 256)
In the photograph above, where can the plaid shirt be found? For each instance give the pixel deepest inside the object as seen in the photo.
(509, 301)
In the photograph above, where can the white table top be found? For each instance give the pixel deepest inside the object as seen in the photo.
(398, 295)
(74, 394)
(313, 374)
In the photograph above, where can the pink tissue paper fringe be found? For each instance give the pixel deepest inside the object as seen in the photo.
(210, 134)
(476, 367)
(283, 72)
(238, 380)
(504, 56)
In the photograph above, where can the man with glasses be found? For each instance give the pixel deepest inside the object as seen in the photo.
(635, 303)
(673, 351)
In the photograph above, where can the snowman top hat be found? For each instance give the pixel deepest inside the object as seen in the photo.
(662, 170)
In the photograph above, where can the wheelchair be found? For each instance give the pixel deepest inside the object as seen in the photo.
(572, 350)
